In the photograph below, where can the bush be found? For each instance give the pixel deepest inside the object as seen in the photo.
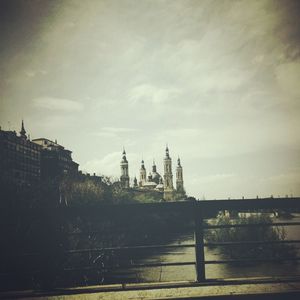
(251, 233)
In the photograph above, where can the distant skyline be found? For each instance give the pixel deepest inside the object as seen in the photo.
(216, 80)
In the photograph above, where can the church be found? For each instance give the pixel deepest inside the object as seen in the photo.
(154, 181)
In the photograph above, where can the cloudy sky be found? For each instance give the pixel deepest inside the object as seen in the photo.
(216, 80)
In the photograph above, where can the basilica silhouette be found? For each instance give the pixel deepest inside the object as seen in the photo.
(154, 181)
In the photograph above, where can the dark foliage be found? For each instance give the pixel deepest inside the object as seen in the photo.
(254, 234)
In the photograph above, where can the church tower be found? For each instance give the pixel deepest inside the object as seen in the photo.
(135, 184)
(168, 177)
(143, 174)
(179, 177)
(23, 131)
(124, 171)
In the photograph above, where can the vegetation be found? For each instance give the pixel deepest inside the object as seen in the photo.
(251, 233)
(72, 191)
(82, 192)
(31, 214)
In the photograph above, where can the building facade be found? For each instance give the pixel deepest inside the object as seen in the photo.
(20, 158)
(56, 161)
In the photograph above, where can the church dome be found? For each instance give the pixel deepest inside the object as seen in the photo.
(155, 177)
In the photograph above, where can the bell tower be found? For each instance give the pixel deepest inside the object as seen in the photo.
(168, 177)
(124, 171)
(143, 174)
(135, 184)
(179, 177)
(23, 131)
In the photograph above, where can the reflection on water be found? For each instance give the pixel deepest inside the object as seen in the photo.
(183, 273)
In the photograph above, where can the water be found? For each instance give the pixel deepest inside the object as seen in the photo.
(214, 271)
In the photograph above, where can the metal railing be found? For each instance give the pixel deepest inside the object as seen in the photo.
(52, 253)
(206, 207)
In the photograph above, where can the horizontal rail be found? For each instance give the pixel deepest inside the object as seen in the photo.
(251, 243)
(182, 207)
(125, 230)
(99, 268)
(207, 244)
(250, 204)
(211, 226)
(75, 251)
(127, 266)
(162, 264)
(229, 261)
(130, 248)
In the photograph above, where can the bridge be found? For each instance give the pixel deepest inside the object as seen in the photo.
(71, 251)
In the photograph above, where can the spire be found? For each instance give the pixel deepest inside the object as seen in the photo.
(124, 171)
(154, 167)
(143, 174)
(168, 177)
(167, 151)
(124, 160)
(179, 178)
(23, 131)
(178, 162)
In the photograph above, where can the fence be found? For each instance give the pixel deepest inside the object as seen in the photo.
(39, 242)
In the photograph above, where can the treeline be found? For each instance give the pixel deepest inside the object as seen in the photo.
(72, 191)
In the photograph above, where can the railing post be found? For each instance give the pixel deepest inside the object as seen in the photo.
(199, 243)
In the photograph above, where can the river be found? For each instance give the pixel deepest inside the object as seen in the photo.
(213, 271)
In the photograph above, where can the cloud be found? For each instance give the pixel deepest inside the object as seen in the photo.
(287, 76)
(110, 164)
(187, 133)
(225, 80)
(285, 177)
(30, 73)
(119, 129)
(283, 184)
(113, 132)
(150, 93)
(212, 178)
(57, 104)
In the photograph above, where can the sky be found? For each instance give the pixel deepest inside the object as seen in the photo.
(216, 80)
